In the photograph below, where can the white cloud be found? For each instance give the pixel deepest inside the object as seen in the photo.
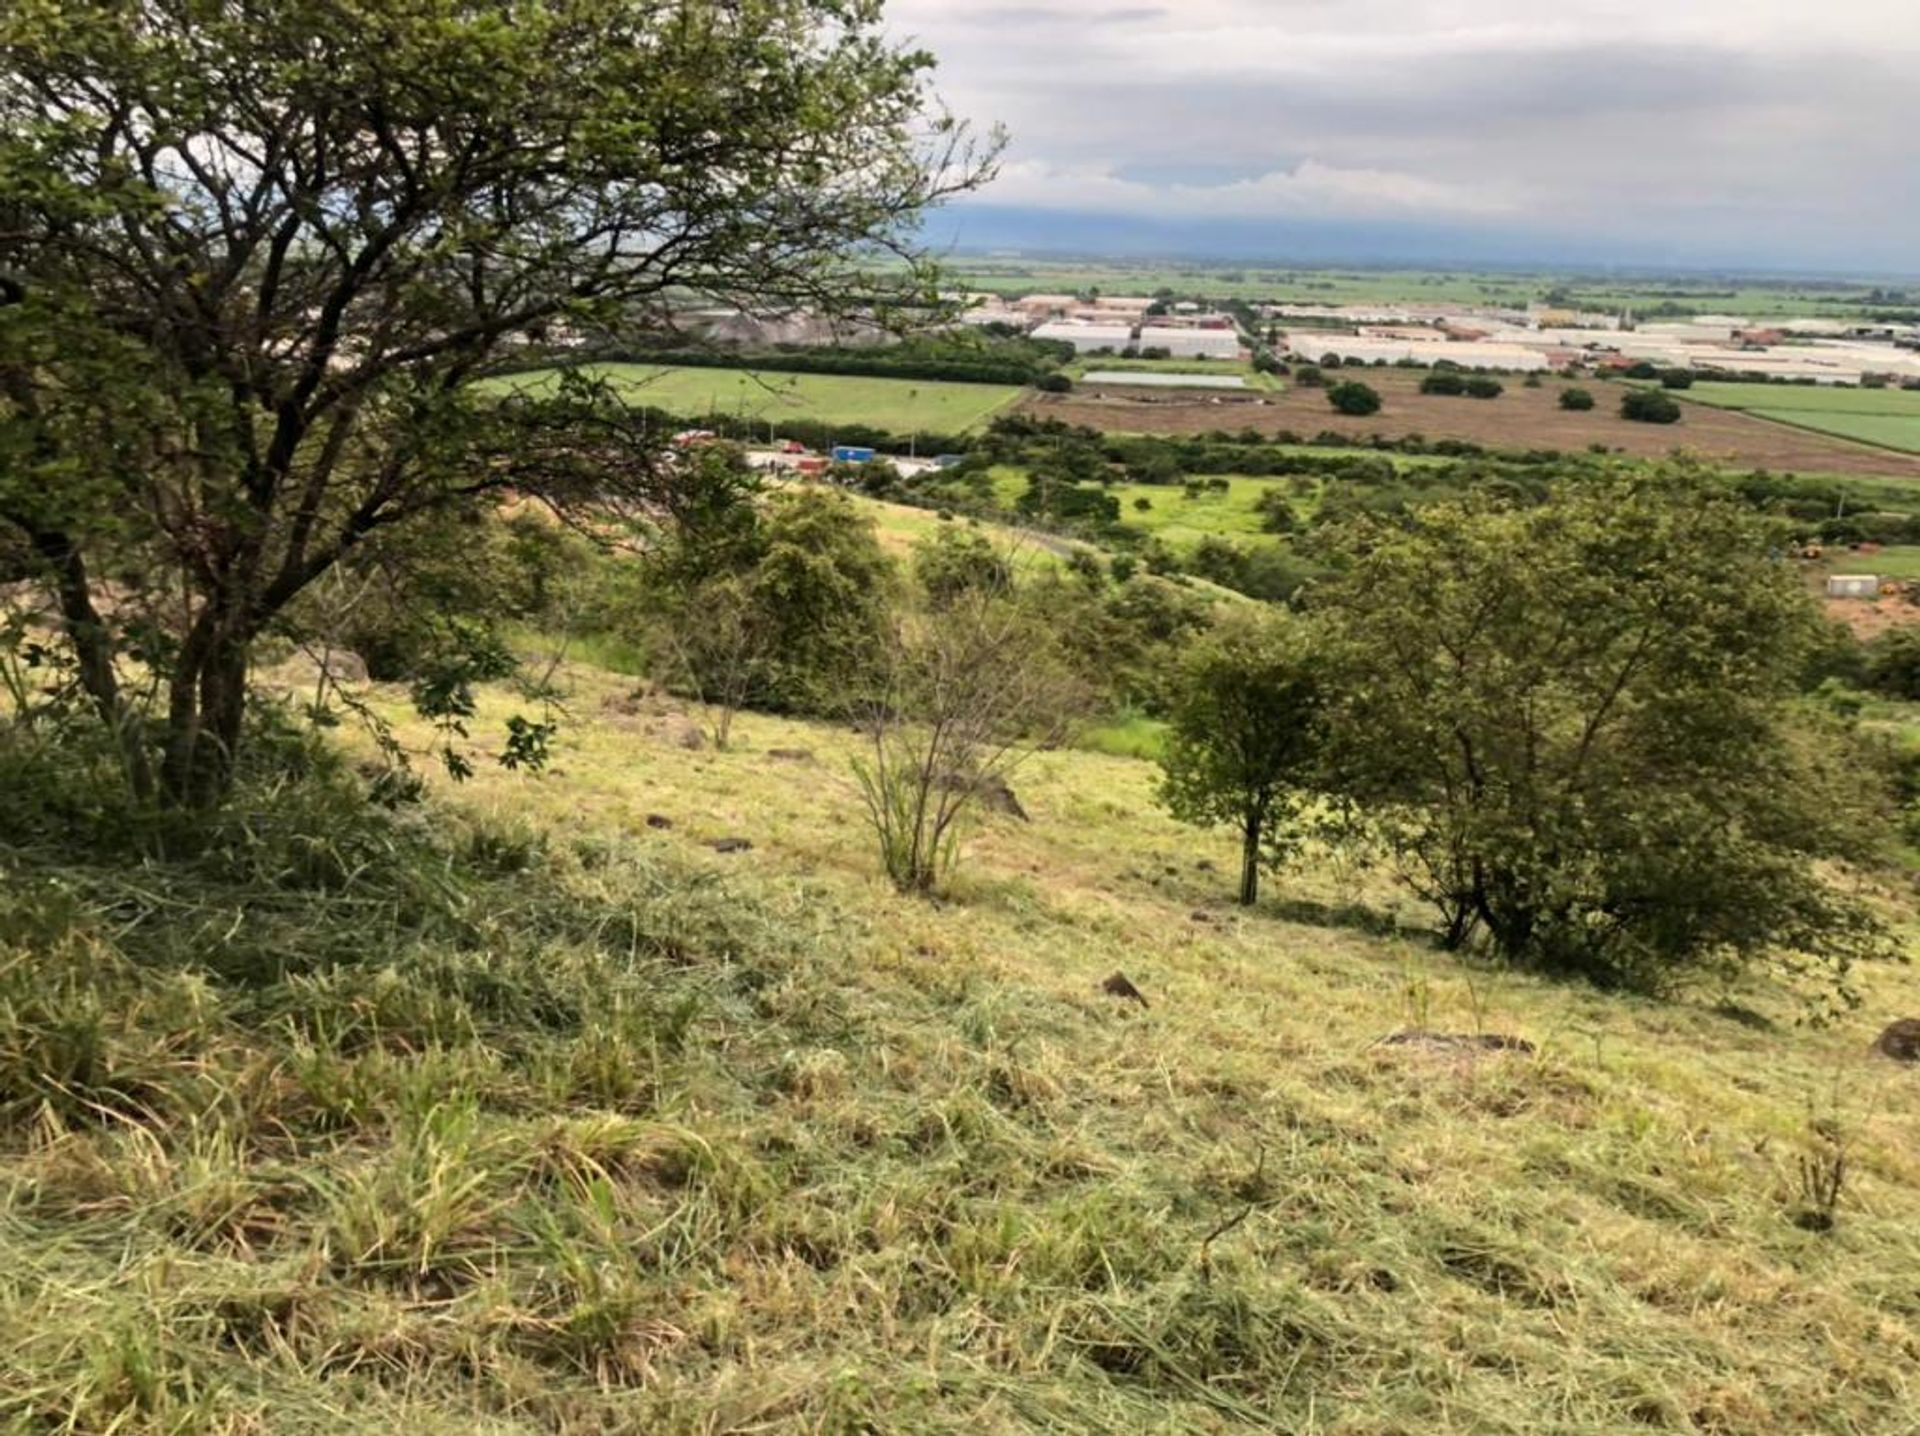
(1713, 124)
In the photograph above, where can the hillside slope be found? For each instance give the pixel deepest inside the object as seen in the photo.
(597, 1128)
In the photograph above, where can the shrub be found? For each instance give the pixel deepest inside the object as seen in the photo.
(1649, 406)
(1443, 381)
(1576, 400)
(1676, 378)
(1481, 387)
(1354, 398)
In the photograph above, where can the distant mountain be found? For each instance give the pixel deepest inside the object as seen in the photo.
(977, 227)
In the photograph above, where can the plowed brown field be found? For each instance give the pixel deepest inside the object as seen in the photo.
(1521, 418)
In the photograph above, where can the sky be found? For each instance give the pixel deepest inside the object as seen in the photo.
(1755, 134)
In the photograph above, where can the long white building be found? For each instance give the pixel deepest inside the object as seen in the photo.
(1086, 338)
(1468, 354)
(1187, 343)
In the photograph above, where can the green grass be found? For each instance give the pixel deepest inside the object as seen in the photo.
(1894, 561)
(1131, 736)
(519, 1114)
(1181, 521)
(1889, 418)
(899, 405)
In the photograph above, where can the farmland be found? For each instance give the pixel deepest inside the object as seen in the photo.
(1521, 418)
(901, 405)
(1889, 418)
(1347, 285)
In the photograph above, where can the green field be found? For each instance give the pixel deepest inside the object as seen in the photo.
(1887, 417)
(901, 405)
(1182, 522)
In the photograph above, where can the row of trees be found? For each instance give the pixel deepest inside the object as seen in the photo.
(1574, 728)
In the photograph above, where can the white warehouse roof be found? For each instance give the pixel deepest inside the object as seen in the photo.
(1194, 343)
(1088, 336)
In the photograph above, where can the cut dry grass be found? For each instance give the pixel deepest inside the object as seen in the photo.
(517, 1114)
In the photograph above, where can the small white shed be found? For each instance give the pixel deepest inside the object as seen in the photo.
(1853, 585)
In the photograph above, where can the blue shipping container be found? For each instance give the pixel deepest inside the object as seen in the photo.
(850, 454)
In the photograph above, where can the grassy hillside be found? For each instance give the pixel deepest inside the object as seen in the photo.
(901, 405)
(531, 1113)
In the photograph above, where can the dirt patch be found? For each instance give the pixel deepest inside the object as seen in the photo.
(1456, 1041)
(1521, 418)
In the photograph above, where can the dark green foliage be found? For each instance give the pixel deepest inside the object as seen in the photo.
(1676, 378)
(1573, 726)
(1649, 406)
(781, 612)
(959, 360)
(1354, 398)
(1481, 387)
(1243, 737)
(1893, 663)
(1276, 512)
(1444, 381)
(958, 561)
(1576, 400)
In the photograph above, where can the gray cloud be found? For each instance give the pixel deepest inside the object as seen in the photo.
(1710, 123)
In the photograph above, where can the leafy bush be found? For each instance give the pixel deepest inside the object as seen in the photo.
(1481, 387)
(1649, 406)
(1354, 398)
(1444, 381)
(1576, 400)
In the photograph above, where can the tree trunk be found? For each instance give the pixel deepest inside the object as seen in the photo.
(93, 650)
(1250, 861)
(206, 705)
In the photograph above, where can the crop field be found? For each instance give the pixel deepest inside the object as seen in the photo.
(1521, 418)
(900, 405)
(1308, 285)
(1889, 418)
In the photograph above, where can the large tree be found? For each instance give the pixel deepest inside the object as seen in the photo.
(256, 256)
(1575, 723)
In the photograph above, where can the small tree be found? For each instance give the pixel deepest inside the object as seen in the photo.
(1576, 400)
(1649, 406)
(1243, 737)
(1354, 398)
(1676, 378)
(965, 694)
(1443, 381)
(958, 561)
(1481, 387)
(719, 647)
(783, 612)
